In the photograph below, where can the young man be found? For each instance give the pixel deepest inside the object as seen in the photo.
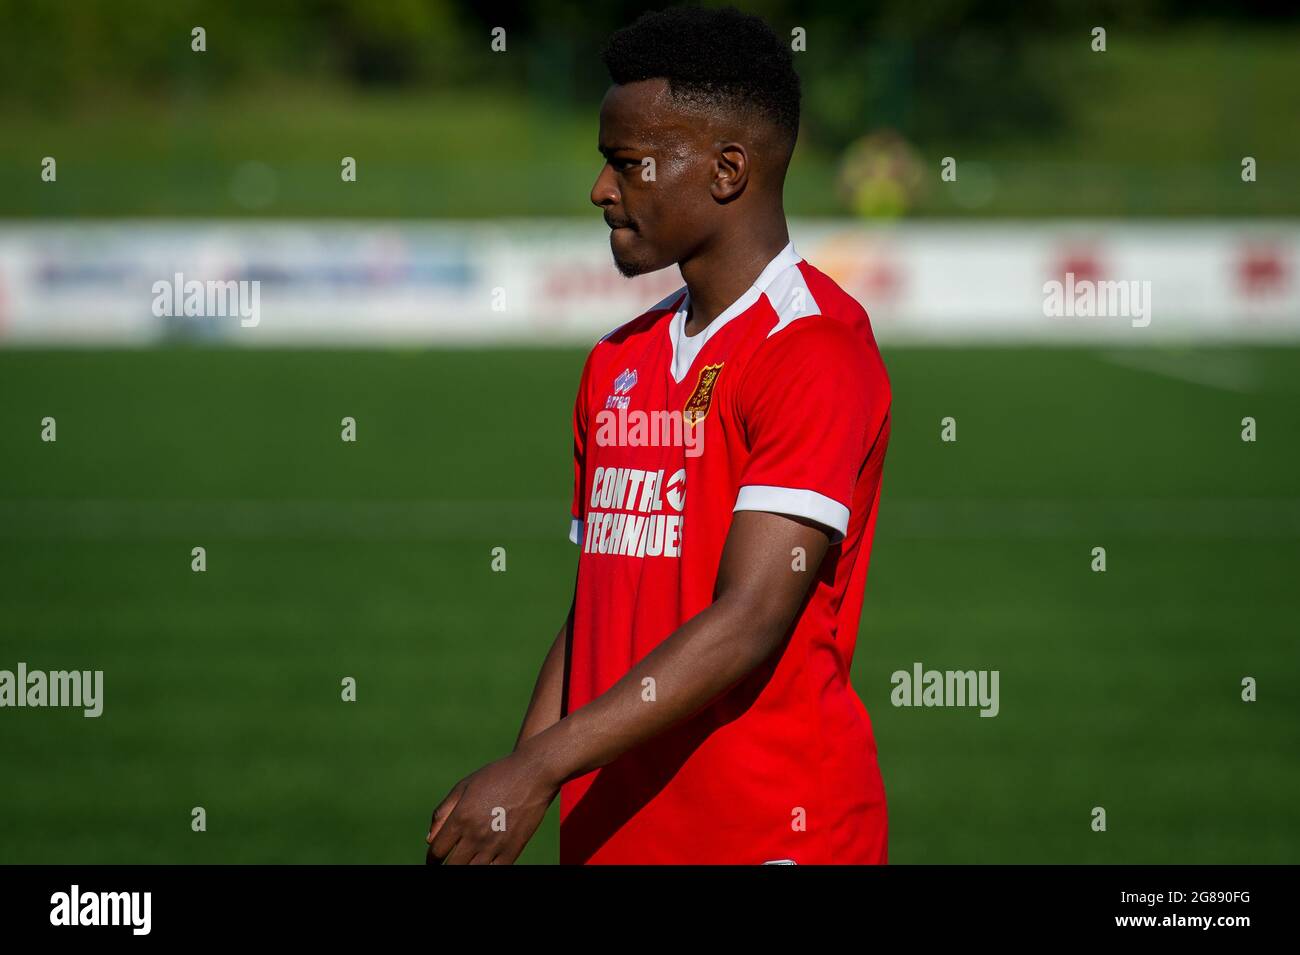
(696, 705)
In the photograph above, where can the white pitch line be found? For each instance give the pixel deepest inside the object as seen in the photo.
(1226, 372)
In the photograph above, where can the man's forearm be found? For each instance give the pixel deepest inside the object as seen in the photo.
(547, 702)
(707, 655)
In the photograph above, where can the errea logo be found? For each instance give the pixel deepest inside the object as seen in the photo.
(622, 385)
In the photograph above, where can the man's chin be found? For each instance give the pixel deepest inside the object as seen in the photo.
(632, 255)
(630, 267)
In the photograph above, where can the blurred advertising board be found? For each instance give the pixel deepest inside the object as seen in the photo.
(362, 283)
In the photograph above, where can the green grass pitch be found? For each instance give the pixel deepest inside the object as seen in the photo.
(373, 560)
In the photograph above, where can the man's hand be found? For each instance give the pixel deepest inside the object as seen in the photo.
(489, 816)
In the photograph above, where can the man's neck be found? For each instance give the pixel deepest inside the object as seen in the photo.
(722, 273)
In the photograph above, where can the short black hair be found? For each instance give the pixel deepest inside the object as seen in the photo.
(719, 57)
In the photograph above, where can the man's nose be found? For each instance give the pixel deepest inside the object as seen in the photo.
(604, 192)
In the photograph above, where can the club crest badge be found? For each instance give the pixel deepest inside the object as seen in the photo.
(697, 406)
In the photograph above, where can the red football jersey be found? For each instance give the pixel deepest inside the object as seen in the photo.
(781, 404)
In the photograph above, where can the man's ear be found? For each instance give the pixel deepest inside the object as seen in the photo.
(730, 172)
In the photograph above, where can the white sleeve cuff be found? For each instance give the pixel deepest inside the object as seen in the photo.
(575, 530)
(796, 502)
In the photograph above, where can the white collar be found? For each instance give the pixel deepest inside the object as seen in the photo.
(687, 347)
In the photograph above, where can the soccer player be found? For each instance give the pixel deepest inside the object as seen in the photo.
(696, 705)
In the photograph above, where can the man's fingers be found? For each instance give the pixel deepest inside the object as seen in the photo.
(449, 827)
(507, 850)
(449, 837)
(507, 855)
(443, 810)
(460, 854)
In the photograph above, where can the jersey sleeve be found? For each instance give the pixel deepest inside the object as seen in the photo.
(579, 453)
(806, 403)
